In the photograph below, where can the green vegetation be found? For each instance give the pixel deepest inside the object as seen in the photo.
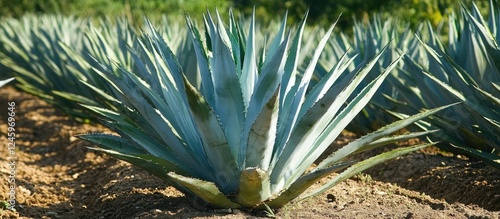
(438, 69)
(467, 70)
(321, 12)
(133, 10)
(36, 49)
(3, 205)
(50, 56)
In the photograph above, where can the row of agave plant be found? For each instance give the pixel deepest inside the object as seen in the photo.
(236, 116)
(467, 70)
(432, 74)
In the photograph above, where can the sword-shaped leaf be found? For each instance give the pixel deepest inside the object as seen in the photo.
(364, 165)
(303, 183)
(4, 82)
(219, 155)
(228, 95)
(260, 113)
(365, 141)
(207, 191)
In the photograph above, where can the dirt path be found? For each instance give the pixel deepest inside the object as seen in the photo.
(57, 177)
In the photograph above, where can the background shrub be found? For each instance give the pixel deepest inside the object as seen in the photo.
(321, 12)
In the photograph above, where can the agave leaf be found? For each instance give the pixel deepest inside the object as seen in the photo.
(325, 119)
(176, 74)
(467, 134)
(233, 33)
(365, 141)
(207, 191)
(393, 139)
(453, 33)
(101, 93)
(239, 36)
(161, 118)
(329, 79)
(157, 121)
(207, 88)
(145, 67)
(493, 17)
(277, 41)
(446, 125)
(157, 167)
(186, 55)
(486, 156)
(471, 102)
(303, 183)
(288, 88)
(496, 86)
(26, 77)
(4, 82)
(219, 154)
(34, 91)
(262, 136)
(315, 96)
(416, 93)
(249, 75)
(176, 101)
(494, 122)
(493, 99)
(99, 48)
(112, 142)
(435, 56)
(182, 120)
(364, 165)
(480, 63)
(307, 103)
(263, 96)
(292, 61)
(148, 143)
(75, 97)
(228, 95)
(254, 187)
(476, 14)
(345, 116)
(137, 160)
(295, 93)
(489, 40)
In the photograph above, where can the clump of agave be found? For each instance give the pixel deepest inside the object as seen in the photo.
(467, 71)
(50, 56)
(34, 49)
(368, 40)
(246, 133)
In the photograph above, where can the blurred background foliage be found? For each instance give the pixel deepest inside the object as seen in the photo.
(322, 12)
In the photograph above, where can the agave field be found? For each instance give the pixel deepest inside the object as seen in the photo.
(240, 115)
